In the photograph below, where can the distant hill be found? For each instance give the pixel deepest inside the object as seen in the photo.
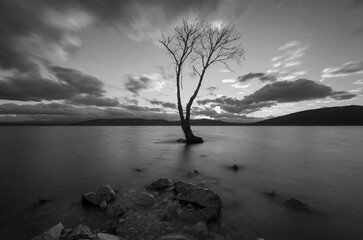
(332, 116)
(152, 122)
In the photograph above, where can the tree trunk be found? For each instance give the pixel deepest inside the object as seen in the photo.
(189, 136)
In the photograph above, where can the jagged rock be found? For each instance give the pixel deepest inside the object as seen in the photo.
(162, 183)
(205, 203)
(202, 197)
(200, 227)
(53, 233)
(115, 210)
(106, 236)
(297, 205)
(103, 204)
(102, 193)
(182, 186)
(144, 200)
(81, 231)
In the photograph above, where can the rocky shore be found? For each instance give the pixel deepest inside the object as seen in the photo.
(165, 210)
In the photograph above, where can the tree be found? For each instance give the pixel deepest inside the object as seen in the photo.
(200, 45)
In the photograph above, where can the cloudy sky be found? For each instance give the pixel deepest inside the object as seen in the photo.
(73, 60)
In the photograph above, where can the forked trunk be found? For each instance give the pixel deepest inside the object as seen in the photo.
(189, 136)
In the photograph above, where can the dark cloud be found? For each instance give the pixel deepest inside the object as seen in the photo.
(264, 77)
(211, 88)
(45, 31)
(68, 84)
(94, 101)
(163, 104)
(278, 92)
(344, 70)
(140, 108)
(135, 84)
(293, 91)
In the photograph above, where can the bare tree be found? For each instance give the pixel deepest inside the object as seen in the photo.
(201, 45)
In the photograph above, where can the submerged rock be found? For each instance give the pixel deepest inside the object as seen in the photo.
(196, 204)
(297, 205)
(53, 233)
(144, 200)
(162, 183)
(102, 193)
(200, 227)
(81, 231)
(115, 210)
(106, 236)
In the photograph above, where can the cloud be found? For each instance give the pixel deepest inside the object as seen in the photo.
(163, 104)
(295, 91)
(275, 93)
(358, 31)
(346, 69)
(360, 81)
(229, 80)
(135, 84)
(94, 101)
(260, 76)
(63, 84)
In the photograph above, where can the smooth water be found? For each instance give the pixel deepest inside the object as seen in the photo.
(323, 166)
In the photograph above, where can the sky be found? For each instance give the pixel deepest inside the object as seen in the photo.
(75, 60)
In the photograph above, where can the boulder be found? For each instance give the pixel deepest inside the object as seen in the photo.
(297, 205)
(102, 193)
(144, 200)
(202, 197)
(81, 231)
(53, 233)
(115, 210)
(182, 186)
(196, 204)
(103, 204)
(106, 236)
(200, 227)
(160, 184)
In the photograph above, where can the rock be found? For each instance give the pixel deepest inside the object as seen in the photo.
(103, 204)
(271, 194)
(260, 239)
(115, 210)
(170, 228)
(201, 196)
(187, 229)
(182, 186)
(106, 236)
(200, 227)
(53, 233)
(297, 205)
(144, 200)
(162, 183)
(195, 173)
(122, 220)
(81, 231)
(218, 237)
(235, 167)
(102, 193)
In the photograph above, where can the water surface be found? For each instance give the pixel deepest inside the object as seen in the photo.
(323, 166)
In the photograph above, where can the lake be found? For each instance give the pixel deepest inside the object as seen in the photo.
(322, 166)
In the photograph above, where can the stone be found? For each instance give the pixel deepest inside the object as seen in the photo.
(297, 205)
(102, 193)
(115, 210)
(144, 200)
(182, 186)
(122, 220)
(187, 229)
(201, 196)
(218, 237)
(53, 233)
(81, 231)
(103, 204)
(160, 184)
(235, 168)
(200, 227)
(106, 236)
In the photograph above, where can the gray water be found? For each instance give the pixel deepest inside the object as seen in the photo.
(323, 166)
